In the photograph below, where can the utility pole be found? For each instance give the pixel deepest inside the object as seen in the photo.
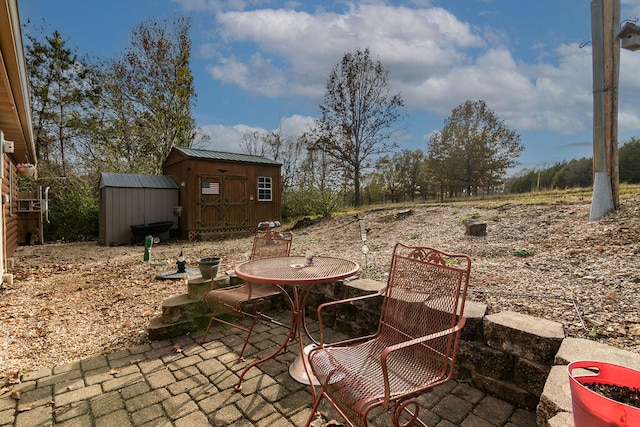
(605, 22)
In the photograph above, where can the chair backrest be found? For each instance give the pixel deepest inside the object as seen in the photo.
(271, 244)
(426, 290)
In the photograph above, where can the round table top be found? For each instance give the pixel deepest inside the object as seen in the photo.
(293, 270)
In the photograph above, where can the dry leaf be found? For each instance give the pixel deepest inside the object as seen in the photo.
(15, 395)
(114, 371)
(564, 245)
(177, 348)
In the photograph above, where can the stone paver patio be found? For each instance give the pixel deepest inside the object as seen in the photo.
(181, 383)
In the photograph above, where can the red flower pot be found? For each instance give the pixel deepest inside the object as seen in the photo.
(591, 409)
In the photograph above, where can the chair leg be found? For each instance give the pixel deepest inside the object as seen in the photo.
(246, 341)
(403, 407)
(314, 409)
(256, 314)
(206, 331)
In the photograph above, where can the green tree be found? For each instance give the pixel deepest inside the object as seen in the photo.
(474, 149)
(575, 173)
(74, 210)
(411, 164)
(629, 161)
(64, 91)
(148, 98)
(441, 161)
(373, 188)
(316, 189)
(525, 181)
(357, 116)
(546, 175)
(389, 176)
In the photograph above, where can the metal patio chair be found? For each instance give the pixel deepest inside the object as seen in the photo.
(414, 348)
(231, 299)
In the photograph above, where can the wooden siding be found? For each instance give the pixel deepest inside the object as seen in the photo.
(10, 219)
(235, 207)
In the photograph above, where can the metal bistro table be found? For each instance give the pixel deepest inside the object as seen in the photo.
(296, 273)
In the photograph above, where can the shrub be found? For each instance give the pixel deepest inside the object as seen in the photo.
(73, 211)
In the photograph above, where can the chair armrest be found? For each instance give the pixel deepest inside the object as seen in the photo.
(339, 302)
(387, 351)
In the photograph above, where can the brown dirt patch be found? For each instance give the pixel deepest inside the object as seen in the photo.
(73, 301)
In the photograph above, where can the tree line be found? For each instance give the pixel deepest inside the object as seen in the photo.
(124, 114)
(92, 115)
(576, 172)
(351, 155)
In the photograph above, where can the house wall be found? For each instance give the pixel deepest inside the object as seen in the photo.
(123, 207)
(9, 211)
(15, 117)
(235, 207)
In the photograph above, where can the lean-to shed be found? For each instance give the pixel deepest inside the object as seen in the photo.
(224, 192)
(134, 200)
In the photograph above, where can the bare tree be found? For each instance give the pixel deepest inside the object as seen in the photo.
(287, 150)
(357, 116)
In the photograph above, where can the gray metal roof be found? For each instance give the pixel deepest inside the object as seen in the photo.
(222, 156)
(128, 180)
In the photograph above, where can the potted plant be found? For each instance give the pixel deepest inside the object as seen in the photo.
(209, 267)
(594, 409)
(26, 169)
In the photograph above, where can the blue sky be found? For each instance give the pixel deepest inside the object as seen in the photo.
(263, 64)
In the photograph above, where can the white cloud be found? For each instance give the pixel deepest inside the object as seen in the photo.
(435, 60)
(226, 138)
(258, 75)
(411, 42)
(295, 125)
(229, 138)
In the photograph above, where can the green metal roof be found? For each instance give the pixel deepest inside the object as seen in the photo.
(127, 180)
(223, 156)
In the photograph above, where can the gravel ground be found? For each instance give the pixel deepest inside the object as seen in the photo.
(72, 301)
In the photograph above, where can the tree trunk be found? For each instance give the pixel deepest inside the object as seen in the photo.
(356, 187)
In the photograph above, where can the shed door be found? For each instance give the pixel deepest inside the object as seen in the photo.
(223, 202)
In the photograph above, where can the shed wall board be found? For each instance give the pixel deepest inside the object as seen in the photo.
(235, 206)
(124, 207)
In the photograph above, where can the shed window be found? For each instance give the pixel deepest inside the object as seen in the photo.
(265, 189)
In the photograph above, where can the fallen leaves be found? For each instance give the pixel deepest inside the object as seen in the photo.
(80, 300)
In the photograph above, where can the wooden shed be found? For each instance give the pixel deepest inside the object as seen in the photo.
(146, 202)
(224, 192)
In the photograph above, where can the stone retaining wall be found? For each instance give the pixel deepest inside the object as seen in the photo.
(518, 358)
(508, 355)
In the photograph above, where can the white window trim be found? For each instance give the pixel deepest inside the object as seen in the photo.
(262, 188)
